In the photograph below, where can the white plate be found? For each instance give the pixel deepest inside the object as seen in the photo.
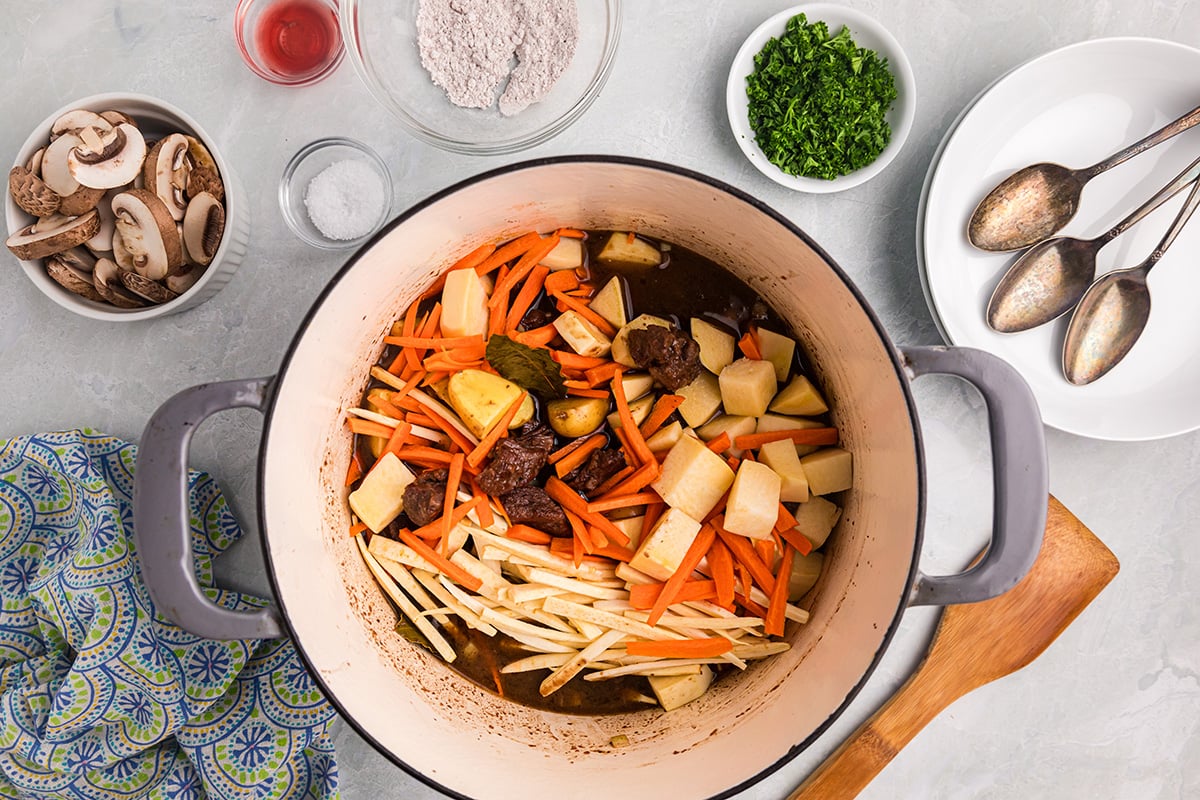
(867, 33)
(1075, 106)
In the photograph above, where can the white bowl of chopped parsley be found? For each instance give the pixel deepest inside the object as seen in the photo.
(820, 98)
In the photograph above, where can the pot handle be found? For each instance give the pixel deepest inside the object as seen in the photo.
(1019, 475)
(162, 522)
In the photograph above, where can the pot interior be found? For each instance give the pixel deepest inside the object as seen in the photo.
(465, 739)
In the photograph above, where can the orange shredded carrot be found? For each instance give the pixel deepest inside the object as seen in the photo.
(603, 373)
(766, 551)
(719, 508)
(519, 271)
(355, 470)
(498, 430)
(365, 427)
(642, 477)
(484, 509)
(524, 533)
(643, 596)
(599, 540)
(741, 549)
(402, 392)
(571, 502)
(670, 591)
(621, 475)
(571, 233)
(576, 391)
(524, 299)
(513, 249)
(797, 540)
(433, 530)
(719, 444)
(774, 622)
(475, 257)
(664, 407)
(566, 302)
(429, 342)
(448, 568)
(720, 564)
(432, 323)
(748, 344)
(629, 237)
(625, 501)
(456, 470)
(357, 528)
(563, 280)
(568, 462)
(578, 553)
(616, 552)
(424, 456)
(579, 531)
(753, 441)
(653, 512)
(784, 519)
(641, 451)
(569, 359)
(538, 337)
(445, 427)
(396, 441)
(710, 647)
(748, 604)
(571, 446)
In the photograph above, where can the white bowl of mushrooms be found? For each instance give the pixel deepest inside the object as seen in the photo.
(119, 207)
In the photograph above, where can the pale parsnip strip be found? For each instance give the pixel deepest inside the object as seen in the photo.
(476, 568)
(496, 590)
(760, 650)
(415, 590)
(540, 556)
(790, 611)
(508, 624)
(383, 376)
(540, 645)
(631, 575)
(400, 599)
(571, 597)
(647, 666)
(592, 632)
(607, 619)
(383, 547)
(684, 669)
(489, 553)
(615, 606)
(432, 582)
(689, 632)
(442, 411)
(429, 434)
(587, 588)
(540, 661)
(528, 592)
(701, 623)
(560, 676)
(374, 416)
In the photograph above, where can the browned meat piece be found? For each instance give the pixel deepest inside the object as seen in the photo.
(671, 356)
(425, 497)
(517, 460)
(599, 467)
(536, 318)
(531, 506)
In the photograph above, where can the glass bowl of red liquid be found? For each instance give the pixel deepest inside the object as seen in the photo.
(289, 42)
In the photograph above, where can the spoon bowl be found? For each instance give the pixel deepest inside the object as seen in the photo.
(1043, 284)
(1027, 206)
(1106, 325)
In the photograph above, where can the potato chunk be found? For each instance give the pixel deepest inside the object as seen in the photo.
(665, 438)
(481, 398)
(805, 572)
(747, 387)
(464, 304)
(781, 457)
(582, 336)
(609, 302)
(379, 499)
(693, 478)
(622, 249)
(753, 501)
(716, 345)
(779, 350)
(799, 397)
(701, 399)
(816, 519)
(636, 384)
(769, 423)
(620, 342)
(828, 470)
(638, 409)
(732, 424)
(674, 691)
(663, 548)
(573, 417)
(567, 254)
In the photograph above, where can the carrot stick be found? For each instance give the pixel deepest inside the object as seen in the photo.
(606, 327)
(621, 475)
(616, 552)
(653, 512)
(598, 538)
(753, 441)
(640, 479)
(602, 374)
(484, 509)
(524, 533)
(563, 280)
(720, 443)
(507, 252)
(432, 322)
(748, 344)
(456, 470)
(570, 447)
(524, 299)
(448, 568)
(576, 457)
(538, 337)
(718, 508)
(784, 519)
(498, 430)
(569, 359)
(571, 502)
(797, 540)
(642, 596)
(766, 551)
(627, 501)
(743, 551)
(773, 623)
(520, 270)
(641, 451)
(355, 470)
(396, 440)
(365, 427)
(754, 608)
(433, 530)
(577, 551)
(664, 407)
(691, 559)
(454, 433)
(428, 342)
(720, 564)
(710, 647)
(571, 233)
(475, 257)
(579, 531)
(576, 391)
(630, 237)
(421, 453)
(357, 528)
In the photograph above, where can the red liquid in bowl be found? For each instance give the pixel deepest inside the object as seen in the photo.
(296, 38)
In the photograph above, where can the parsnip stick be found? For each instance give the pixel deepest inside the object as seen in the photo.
(400, 599)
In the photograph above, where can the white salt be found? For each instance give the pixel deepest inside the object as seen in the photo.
(345, 200)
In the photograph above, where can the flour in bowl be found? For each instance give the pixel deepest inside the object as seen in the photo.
(469, 47)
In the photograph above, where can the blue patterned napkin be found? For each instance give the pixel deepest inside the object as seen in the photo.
(100, 696)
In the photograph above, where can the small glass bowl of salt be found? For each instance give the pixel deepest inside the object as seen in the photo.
(335, 193)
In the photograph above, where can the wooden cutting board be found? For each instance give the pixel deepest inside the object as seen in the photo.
(975, 644)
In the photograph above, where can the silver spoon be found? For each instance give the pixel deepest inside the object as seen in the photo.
(1048, 280)
(1034, 202)
(1113, 312)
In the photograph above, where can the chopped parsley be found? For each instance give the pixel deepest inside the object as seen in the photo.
(818, 103)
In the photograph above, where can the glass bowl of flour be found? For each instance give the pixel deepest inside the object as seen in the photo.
(483, 76)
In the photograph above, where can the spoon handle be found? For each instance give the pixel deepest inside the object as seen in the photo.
(1181, 219)
(1190, 173)
(1180, 125)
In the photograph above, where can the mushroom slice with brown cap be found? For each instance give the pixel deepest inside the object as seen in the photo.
(165, 172)
(80, 201)
(53, 235)
(30, 193)
(103, 240)
(121, 254)
(76, 120)
(203, 227)
(118, 118)
(107, 279)
(72, 279)
(116, 163)
(34, 165)
(147, 232)
(184, 278)
(204, 177)
(56, 173)
(77, 258)
(144, 287)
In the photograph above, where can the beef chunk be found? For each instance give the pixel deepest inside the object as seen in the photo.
(536, 318)
(425, 497)
(671, 356)
(531, 506)
(517, 460)
(599, 467)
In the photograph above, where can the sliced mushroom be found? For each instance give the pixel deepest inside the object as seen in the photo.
(56, 173)
(31, 193)
(183, 278)
(72, 279)
(103, 240)
(34, 165)
(76, 120)
(118, 118)
(78, 258)
(80, 201)
(165, 172)
(107, 279)
(203, 227)
(147, 233)
(144, 287)
(121, 254)
(116, 164)
(53, 235)
(204, 177)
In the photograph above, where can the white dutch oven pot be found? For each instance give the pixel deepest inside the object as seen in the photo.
(467, 741)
